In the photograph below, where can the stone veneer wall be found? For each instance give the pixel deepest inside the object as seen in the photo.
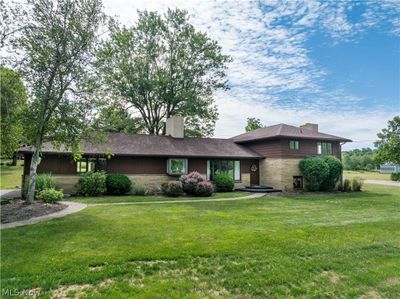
(279, 172)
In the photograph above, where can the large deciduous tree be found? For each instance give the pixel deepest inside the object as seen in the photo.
(115, 118)
(253, 124)
(13, 103)
(54, 49)
(162, 67)
(388, 144)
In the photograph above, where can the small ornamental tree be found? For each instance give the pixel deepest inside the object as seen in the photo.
(315, 171)
(54, 45)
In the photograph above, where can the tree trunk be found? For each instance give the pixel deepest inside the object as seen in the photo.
(32, 175)
(14, 160)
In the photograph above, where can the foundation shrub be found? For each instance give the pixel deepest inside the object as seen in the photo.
(315, 170)
(50, 195)
(204, 189)
(118, 184)
(92, 184)
(172, 189)
(223, 182)
(140, 189)
(190, 182)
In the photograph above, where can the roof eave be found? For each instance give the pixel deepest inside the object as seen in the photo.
(339, 139)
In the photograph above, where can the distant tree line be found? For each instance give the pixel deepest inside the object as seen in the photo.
(360, 159)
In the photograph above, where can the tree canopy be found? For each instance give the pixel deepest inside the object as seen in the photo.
(163, 67)
(253, 124)
(116, 119)
(388, 143)
(13, 104)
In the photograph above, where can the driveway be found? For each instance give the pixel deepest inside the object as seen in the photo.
(381, 182)
(10, 193)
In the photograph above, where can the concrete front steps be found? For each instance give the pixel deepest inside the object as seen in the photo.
(259, 189)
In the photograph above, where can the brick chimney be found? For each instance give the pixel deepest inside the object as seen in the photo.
(311, 127)
(174, 127)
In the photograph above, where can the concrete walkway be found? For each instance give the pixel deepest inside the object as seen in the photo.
(251, 196)
(10, 193)
(73, 207)
(381, 182)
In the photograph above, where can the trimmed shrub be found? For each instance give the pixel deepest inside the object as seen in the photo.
(395, 176)
(224, 182)
(335, 171)
(346, 185)
(190, 182)
(44, 181)
(92, 184)
(140, 189)
(118, 184)
(315, 170)
(204, 189)
(50, 195)
(172, 189)
(356, 184)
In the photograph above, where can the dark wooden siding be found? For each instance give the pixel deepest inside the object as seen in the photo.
(137, 165)
(279, 148)
(64, 164)
(57, 164)
(197, 164)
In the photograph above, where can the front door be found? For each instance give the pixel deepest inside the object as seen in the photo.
(254, 173)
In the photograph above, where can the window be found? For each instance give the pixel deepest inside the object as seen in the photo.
(297, 182)
(294, 144)
(230, 167)
(324, 148)
(91, 164)
(176, 166)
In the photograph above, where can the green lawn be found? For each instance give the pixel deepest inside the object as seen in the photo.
(137, 198)
(343, 245)
(366, 175)
(10, 176)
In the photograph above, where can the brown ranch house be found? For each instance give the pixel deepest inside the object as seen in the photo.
(268, 156)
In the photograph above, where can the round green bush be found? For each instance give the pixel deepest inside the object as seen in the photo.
(315, 170)
(92, 184)
(118, 184)
(335, 171)
(172, 189)
(50, 195)
(395, 176)
(224, 182)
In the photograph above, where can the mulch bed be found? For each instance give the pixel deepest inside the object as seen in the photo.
(17, 210)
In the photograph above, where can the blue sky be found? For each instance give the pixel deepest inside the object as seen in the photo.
(335, 63)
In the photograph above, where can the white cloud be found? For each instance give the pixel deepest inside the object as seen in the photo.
(272, 75)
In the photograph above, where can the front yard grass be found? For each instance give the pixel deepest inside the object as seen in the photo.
(10, 176)
(342, 245)
(139, 198)
(366, 175)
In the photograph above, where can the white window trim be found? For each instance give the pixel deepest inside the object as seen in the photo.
(169, 166)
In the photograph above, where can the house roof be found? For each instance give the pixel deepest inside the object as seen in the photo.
(283, 130)
(166, 146)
